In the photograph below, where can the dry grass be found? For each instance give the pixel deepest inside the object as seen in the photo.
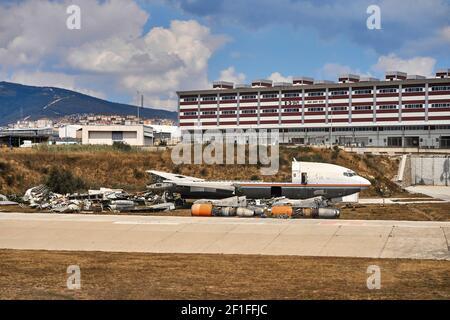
(21, 169)
(409, 212)
(42, 275)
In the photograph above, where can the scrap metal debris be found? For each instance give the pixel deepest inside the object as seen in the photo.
(4, 201)
(104, 199)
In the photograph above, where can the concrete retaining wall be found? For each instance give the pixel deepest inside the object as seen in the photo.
(430, 170)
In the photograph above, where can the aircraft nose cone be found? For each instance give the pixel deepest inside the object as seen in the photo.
(364, 182)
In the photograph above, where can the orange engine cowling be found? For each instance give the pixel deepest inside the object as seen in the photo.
(282, 211)
(202, 210)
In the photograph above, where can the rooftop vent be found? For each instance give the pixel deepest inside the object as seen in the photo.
(243, 86)
(282, 84)
(395, 75)
(323, 82)
(368, 79)
(223, 85)
(348, 78)
(262, 83)
(415, 77)
(443, 73)
(303, 81)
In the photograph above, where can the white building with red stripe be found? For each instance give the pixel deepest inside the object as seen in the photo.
(400, 111)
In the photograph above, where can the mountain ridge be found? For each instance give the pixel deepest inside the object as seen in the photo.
(18, 101)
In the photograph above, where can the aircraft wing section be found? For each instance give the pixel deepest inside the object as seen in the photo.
(206, 185)
(172, 177)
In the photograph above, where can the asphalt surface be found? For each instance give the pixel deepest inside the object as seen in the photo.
(338, 238)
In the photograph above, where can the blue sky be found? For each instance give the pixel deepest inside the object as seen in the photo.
(159, 47)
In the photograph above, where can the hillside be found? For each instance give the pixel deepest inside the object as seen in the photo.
(106, 167)
(18, 100)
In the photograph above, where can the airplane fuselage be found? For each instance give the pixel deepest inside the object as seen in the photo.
(309, 179)
(259, 190)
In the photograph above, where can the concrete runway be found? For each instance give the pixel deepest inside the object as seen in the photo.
(339, 238)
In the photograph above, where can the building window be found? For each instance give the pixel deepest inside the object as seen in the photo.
(291, 95)
(342, 129)
(228, 112)
(394, 141)
(292, 110)
(362, 108)
(388, 90)
(440, 88)
(315, 109)
(440, 105)
(248, 111)
(191, 113)
(362, 91)
(117, 136)
(190, 99)
(339, 93)
(414, 89)
(224, 98)
(269, 110)
(205, 113)
(270, 96)
(315, 94)
(248, 97)
(339, 108)
(209, 98)
(412, 106)
(414, 128)
(388, 107)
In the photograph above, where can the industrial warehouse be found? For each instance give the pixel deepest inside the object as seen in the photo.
(401, 111)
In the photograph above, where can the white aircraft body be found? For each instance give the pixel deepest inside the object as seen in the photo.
(309, 179)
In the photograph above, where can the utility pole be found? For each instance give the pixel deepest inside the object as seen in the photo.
(142, 105)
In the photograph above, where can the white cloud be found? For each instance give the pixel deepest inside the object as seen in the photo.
(418, 65)
(111, 50)
(33, 29)
(231, 75)
(333, 70)
(445, 33)
(278, 77)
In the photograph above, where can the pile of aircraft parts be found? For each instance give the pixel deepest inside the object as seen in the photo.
(104, 199)
(316, 207)
(4, 201)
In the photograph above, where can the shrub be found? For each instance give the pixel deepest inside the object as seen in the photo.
(203, 172)
(138, 174)
(9, 180)
(63, 181)
(4, 167)
(335, 152)
(120, 146)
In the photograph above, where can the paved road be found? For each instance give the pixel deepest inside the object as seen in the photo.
(400, 200)
(438, 192)
(341, 238)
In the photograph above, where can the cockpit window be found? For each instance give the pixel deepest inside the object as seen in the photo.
(349, 174)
